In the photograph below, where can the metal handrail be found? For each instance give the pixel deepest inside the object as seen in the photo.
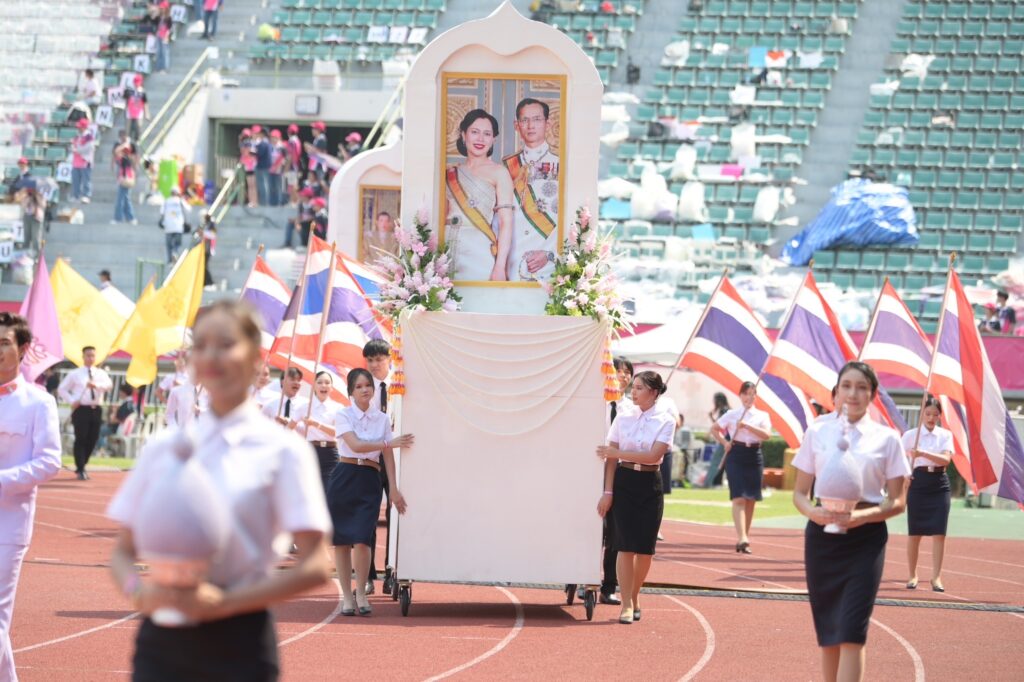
(200, 60)
(388, 115)
(226, 196)
(153, 144)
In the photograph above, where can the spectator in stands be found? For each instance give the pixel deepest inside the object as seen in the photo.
(136, 107)
(124, 163)
(991, 324)
(21, 180)
(247, 158)
(317, 165)
(319, 223)
(294, 172)
(164, 26)
(211, 8)
(91, 91)
(632, 72)
(278, 162)
(353, 145)
(1007, 315)
(83, 150)
(117, 415)
(208, 234)
(33, 207)
(172, 220)
(301, 222)
(264, 153)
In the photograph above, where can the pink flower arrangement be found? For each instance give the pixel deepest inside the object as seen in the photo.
(417, 277)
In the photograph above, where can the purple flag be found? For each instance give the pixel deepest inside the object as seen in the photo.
(40, 310)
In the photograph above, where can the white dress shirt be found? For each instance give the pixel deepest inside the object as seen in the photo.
(938, 441)
(295, 407)
(375, 401)
(622, 406)
(172, 380)
(322, 412)
(370, 426)
(270, 481)
(269, 393)
(877, 448)
(74, 389)
(29, 455)
(637, 431)
(183, 402)
(525, 237)
(757, 418)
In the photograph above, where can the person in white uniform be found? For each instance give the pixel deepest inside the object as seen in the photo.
(844, 569)
(928, 497)
(263, 391)
(29, 456)
(535, 182)
(259, 480)
(83, 389)
(740, 431)
(185, 403)
(317, 422)
(171, 381)
(637, 440)
(377, 353)
(289, 406)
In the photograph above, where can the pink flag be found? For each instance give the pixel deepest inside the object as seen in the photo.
(40, 310)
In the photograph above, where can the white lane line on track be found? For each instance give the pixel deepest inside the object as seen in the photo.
(73, 511)
(785, 588)
(74, 530)
(516, 629)
(888, 561)
(914, 657)
(330, 617)
(709, 640)
(75, 635)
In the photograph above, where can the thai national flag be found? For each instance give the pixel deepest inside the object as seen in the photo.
(269, 295)
(349, 325)
(811, 349)
(896, 344)
(962, 372)
(367, 279)
(730, 346)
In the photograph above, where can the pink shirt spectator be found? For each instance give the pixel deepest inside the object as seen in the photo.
(83, 150)
(210, 5)
(135, 103)
(279, 156)
(295, 152)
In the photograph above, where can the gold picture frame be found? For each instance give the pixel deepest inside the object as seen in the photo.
(385, 198)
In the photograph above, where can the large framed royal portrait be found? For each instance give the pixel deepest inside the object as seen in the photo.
(503, 170)
(379, 209)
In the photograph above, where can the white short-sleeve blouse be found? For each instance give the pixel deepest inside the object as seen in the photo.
(877, 448)
(370, 426)
(755, 417)
(936, 441)
(637, 431)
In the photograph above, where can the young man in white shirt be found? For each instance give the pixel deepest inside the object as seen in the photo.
(377, 354)
(83, 389)
(288, 407)
(30, 431)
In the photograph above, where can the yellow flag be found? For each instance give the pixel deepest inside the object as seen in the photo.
(86, 317)
(161, 317)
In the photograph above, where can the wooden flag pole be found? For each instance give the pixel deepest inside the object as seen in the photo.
(323, 326)
(874, 320)
(700, 321)
(935, 354)
(295, 325)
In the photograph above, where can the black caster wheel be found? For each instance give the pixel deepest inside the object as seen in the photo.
(590, 601)
(570, 594)
(405, 598)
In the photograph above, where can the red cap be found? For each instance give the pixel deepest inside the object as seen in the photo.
(318, 125)
(992, 306)
(306, 192)
(319, 202)
(138, 79)
(23, 161)
(257, 129)
(82, 124)
(246, 131)
(164, 4)
(293, 129)
(353, 136)
(275, 133)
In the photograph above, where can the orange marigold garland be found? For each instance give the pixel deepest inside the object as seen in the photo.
(397, 386)
(611, 380)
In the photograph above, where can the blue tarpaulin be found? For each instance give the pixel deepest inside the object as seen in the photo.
(860, 213)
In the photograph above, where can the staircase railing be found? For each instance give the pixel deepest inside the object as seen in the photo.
(388, 116)
(228, 194)
(165, 118)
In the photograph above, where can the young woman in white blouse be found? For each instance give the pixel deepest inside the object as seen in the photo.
(746, 427)
(929, 494)
(355, 489)
(319, 425)
(637, 441)
(844, 569)
(259, 480)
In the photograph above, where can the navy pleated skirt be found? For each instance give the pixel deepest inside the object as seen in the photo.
(744, 467)
(843, 575)
(637, 506)
(928, 503)
(237, 649)
(353, 498)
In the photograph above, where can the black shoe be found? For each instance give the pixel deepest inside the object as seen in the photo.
(743, 548)
(369, 588)
(80, 475)
(610, 599)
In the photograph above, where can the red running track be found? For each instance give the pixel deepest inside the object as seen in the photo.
(71, 623)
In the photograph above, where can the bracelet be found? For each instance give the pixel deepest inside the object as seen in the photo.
(607, 492)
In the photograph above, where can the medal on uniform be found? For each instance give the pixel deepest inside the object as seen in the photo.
(549, 188)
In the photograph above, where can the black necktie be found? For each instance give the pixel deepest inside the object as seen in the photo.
(288, 408)
(92, 392)
(383, 397)
(614, 411)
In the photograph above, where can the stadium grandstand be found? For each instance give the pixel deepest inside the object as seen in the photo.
(729, 127)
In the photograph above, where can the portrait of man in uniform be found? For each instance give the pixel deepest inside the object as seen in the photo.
(502, 179)
(379, 207)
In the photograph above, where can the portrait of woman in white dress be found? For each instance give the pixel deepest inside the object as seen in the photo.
(479, 218)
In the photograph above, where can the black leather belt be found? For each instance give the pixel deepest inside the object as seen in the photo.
(932, 469)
